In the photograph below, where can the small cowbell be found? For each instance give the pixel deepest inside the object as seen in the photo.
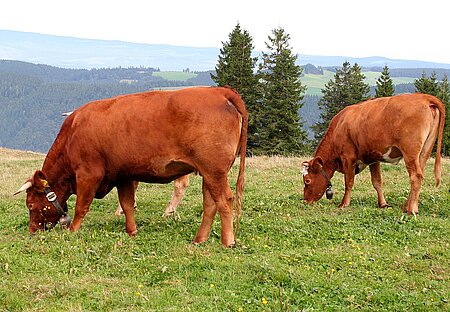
(329, 192)
(65, 221)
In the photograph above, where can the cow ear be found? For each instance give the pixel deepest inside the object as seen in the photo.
(317, 163)
(39, 181)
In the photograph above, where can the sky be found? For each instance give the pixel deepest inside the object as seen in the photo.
(397, 29)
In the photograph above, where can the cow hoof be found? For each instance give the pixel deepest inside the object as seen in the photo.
(198, 241)
(385, 206)
(132, 233)
(230, 245)
(171, 214)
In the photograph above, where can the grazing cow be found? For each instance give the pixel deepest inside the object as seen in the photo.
(180, 186)
(378, 130)
(179, 189)
(154, 137)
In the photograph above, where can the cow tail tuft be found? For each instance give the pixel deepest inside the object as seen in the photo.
(239, 104)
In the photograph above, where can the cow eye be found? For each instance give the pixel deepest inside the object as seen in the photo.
(307, 181)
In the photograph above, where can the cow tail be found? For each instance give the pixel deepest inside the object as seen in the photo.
(437, 162)
(239, 104)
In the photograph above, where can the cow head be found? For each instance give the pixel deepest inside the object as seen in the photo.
(42, 204)
(316, 181)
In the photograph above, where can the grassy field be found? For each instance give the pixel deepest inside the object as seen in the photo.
(289, 257)
(316, 83)
(175, 75)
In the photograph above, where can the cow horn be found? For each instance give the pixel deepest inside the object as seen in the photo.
(305, 167)
(24, 187)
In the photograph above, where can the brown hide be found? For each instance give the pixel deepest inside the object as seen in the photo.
(379, 130)
(155, 137)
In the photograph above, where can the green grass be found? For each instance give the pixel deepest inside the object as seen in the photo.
(290, 256)
(175, 75)
(316, 83)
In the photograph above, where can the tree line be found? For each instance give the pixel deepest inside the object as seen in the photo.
(283, 120)
(272, 89)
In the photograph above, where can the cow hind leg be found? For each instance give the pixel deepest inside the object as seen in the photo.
(429, 145)
(209, 213)
(119, 210)
(415, 172)
(179, 189)
(127, 201)
(222, 196)
(375, 175)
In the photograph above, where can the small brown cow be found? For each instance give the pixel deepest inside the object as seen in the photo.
(154, 137)
(378, 130)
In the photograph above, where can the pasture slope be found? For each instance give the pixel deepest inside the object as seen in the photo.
(290, 257)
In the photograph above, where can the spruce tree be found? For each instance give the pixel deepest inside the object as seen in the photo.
(347, 88)
(441, 90)
(444, 96)
(385, 86)
(427, 85)
(280, 129)
(235, 68)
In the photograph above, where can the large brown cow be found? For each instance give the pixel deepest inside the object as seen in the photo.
(179, 188)
(379, 130)
(153, 137)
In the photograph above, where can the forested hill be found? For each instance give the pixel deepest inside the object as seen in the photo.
(32, 97)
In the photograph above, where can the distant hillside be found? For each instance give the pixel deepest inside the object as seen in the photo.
(32, 97)
(71, 52)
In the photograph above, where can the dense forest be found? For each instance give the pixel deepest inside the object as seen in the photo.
(33, 97)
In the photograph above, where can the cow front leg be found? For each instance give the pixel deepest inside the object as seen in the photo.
(87, 184)
(179, 189)
(126, 193)
(83, 202)
(375, 175)
(209, 213)
(349, 177)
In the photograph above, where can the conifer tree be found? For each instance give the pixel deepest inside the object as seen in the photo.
(280, 129)
(427, 85)
(442, 91)
(385, 86)
(235, 68)
(444, 96)
(347, 88)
